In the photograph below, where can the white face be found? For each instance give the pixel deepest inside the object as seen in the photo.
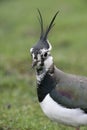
(41, 58)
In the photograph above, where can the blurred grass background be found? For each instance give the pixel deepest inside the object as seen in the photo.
(19, 30)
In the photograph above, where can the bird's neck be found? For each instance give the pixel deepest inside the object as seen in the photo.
(41, 73)
(46, 79)
(48, 67)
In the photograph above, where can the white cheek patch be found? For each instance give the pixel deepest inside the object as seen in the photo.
(48, 62)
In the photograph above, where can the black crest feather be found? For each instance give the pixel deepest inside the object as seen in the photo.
(42, 35)
(50, 26)
(41, 23)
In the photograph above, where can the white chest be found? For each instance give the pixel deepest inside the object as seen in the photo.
(72, 117)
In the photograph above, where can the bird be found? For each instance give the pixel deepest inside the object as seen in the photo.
(62, 96)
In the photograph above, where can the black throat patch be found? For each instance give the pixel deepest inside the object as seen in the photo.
(45, 86)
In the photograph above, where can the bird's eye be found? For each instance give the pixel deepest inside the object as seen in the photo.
(45, 54)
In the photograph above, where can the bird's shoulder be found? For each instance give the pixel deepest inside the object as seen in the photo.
(70, 90)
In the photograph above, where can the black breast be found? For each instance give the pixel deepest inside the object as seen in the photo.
(45, 86)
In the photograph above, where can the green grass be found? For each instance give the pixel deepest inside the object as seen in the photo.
(19, 30)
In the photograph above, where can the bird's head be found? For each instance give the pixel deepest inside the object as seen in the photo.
(40, 53)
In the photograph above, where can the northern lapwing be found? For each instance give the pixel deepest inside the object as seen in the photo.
(62, 96)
